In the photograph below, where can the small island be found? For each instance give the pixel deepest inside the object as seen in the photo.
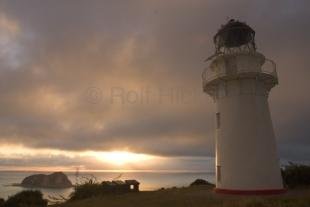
(54, 180)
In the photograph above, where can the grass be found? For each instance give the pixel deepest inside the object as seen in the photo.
(296, 177)
(196, 196)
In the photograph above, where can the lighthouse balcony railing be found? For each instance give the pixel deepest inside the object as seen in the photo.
(268, 69)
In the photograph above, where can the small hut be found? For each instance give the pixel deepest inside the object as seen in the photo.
(133, 185)
(119, 186)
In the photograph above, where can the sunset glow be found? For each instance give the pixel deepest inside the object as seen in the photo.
(121, 158)
(86, 160)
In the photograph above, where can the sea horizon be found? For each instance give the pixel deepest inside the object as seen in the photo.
(117, 170)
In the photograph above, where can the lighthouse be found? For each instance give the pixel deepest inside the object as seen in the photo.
(239, 80)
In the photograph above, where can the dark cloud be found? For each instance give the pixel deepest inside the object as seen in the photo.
(65, 49)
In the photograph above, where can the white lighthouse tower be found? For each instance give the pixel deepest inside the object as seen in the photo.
(239, 80)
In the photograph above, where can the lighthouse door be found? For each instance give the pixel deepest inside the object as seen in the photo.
(218, 173)
(218, 120)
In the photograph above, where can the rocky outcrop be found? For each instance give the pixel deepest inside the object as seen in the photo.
(54, 180)
(201, 182)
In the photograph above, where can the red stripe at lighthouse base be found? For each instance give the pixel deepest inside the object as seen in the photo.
(250, 192)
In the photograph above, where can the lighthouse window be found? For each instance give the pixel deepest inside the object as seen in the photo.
(218, 120)
(218, 173)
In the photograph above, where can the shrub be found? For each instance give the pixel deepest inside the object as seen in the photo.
(296, 175)
(86, 190)
(2, 202)
(27, 198)
(92, 188)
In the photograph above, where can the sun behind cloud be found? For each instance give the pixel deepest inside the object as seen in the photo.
(121, 158)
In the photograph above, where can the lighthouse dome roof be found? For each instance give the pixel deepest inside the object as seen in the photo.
(234, 34)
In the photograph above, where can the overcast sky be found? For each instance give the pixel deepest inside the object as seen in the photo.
(79, 75)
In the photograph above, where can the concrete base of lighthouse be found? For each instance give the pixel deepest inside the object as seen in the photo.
(246, 155)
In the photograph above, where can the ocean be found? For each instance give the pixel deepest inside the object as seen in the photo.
(148, 180)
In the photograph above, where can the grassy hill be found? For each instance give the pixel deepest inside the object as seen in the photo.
(195, 196)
